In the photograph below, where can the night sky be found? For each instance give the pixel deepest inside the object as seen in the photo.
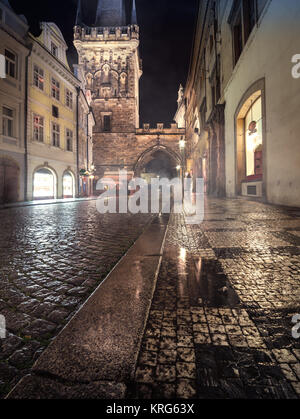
(166, 28)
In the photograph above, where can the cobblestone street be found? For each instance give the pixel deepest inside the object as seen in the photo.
(52, 257)
(220, 325)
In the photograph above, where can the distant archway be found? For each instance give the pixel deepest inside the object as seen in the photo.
(158, 161)
(44, 184)
(9, 180)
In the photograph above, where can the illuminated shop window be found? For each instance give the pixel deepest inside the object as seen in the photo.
(68, 185)
(253, 139)
(44, 184)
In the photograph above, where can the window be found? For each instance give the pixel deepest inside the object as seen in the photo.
(55, 135)
(69, 99)
(106, 123)
(38, 128)
(254, 140)
(38, 77)
(7, 122)
(10, 64)
(54, 49)
(55, 89)
(55, 111)
(243, 17)
(69, 140)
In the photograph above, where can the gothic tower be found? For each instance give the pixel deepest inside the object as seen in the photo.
(108, 54)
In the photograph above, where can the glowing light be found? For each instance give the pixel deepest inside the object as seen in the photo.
(178, 167)
(183, 254)
(181, 143)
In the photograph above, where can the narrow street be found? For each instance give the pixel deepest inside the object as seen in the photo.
(220, 323)
(52, 257)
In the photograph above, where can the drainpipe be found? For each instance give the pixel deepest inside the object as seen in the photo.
(26, 126)
(87, 148)
(77, 140)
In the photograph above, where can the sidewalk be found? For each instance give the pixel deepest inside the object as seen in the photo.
(44, 202)
(220, 324)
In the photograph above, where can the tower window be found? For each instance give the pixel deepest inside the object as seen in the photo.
(106, 123)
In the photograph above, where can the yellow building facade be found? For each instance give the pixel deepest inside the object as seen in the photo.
(51, 118)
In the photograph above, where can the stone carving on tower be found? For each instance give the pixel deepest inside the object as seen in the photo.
(108, 54)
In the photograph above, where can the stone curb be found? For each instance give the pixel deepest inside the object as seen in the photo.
(96, 353)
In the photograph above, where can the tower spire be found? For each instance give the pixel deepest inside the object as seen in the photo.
(98, 13)
(110, 13)
(133, 14)
(78, 13)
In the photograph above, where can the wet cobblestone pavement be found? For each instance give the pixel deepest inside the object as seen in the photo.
(220, 324)
(52, 257)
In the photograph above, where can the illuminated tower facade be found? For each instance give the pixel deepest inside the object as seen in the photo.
(108, 52)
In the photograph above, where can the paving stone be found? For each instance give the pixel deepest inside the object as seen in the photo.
(186, 389)
(242, 349)
(165, 373)
(52, 268)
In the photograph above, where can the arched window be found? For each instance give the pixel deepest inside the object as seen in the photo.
(44, 184)
(254, 140)
(68, 185)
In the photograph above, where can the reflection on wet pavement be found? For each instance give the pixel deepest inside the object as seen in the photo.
(52, 257)
(220, 321)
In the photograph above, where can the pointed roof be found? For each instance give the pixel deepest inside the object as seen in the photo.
(78, 13)
(133, 14)
(6, 2)
(110, 13)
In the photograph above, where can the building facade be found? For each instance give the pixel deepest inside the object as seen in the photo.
(46, 147)
(241, 97)
(56, 120)
(13, 32)
(108, 52)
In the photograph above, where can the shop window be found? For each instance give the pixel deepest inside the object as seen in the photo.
(254, 140)
(44, 184)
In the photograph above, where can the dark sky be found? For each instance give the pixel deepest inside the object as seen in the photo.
(166, 28)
